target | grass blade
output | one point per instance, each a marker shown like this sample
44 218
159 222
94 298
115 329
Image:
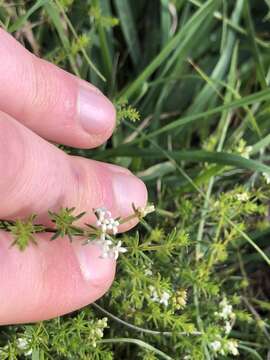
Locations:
199 16
18 24
188 155
247 100
139 343
128 27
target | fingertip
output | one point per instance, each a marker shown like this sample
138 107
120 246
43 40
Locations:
53 103
97 272
128 191
51 278
96 112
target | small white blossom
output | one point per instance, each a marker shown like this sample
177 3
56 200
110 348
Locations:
242 197
148 272
99 332
23 344
106 249
226 309
266 177
246 152
105 221
102 213
165 298
118 249
227 327
115 227
154 294
232 347
215 345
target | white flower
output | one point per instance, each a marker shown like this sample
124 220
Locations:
105 221
226 309
154 294
99 332
266 177
148 272
115 227
232 347
102 213
242 197
215 345
23 344
246 152
165 298
106 249
118 249
228 327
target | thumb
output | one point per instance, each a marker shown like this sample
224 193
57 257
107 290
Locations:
51 279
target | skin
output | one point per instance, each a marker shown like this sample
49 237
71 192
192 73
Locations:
41 104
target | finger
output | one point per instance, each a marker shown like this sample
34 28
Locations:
38 176
50 279
53 103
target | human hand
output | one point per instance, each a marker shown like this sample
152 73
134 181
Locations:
40 101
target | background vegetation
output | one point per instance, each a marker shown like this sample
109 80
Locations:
190 81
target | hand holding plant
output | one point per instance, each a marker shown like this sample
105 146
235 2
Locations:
40 101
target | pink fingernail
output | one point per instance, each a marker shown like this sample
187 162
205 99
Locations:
96 113
93 267
128 190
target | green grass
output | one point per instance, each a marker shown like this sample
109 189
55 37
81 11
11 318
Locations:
198 74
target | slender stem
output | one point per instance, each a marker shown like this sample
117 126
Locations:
139 343
137 328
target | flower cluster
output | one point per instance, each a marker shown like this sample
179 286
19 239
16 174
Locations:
107 224
180 299
243 197
24 346
163 299
266 177
224 347
226 315
98 331
243 149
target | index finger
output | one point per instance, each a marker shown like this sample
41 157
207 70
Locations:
53 103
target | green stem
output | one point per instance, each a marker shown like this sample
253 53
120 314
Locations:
106 56
139 343
143 330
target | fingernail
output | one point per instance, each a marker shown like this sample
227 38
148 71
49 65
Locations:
96 112
128 190
92 266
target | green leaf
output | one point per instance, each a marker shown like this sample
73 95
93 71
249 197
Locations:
194 21
189 156
247 100
128 27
